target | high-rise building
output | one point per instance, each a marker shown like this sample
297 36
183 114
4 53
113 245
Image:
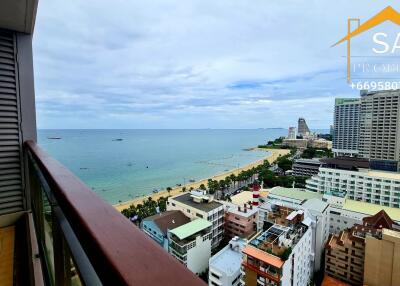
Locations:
292 133
346 126
379 138
302 128
240 220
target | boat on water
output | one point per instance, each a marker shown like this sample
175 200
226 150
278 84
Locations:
155 191
54 138
118 139
192 180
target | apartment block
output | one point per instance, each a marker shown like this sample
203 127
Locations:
316 211
306 167
240 220
292 133
346 126
379 138
357 182
199 204
224 266
191 244
382 259
281 254
346 253
157 226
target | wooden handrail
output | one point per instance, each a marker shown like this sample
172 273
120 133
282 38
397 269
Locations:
119 252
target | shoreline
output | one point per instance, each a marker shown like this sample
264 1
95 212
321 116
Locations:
274 154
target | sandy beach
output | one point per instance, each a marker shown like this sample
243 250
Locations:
274 154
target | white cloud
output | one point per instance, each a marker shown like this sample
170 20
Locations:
150 64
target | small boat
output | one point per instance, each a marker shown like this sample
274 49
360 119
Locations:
178 185
192 180
118 139
54 138
83 168
155 191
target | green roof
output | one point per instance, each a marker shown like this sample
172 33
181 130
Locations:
294 193
371 209
191 228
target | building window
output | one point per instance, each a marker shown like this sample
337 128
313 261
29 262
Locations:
199 215
188 210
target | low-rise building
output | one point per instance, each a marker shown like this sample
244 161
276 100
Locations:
345 255
157 226
224 266
352 177
199 204
240 220
191 244
295 143
320 143
306 167
281 254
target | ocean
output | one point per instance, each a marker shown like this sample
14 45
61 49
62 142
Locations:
122 164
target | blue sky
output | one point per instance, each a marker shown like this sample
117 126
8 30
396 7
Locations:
191 64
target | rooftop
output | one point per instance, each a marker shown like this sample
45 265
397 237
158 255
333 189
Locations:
371 209
294 193
263 256
347 163
383 174
246 196
245 210
279 238
315 204
203 206
228 259
308 161
191 228
168 220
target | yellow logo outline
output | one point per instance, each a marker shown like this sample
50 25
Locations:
387 14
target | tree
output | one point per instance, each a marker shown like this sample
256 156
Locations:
202 187
285 164
169 189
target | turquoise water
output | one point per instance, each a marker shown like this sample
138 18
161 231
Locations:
149 159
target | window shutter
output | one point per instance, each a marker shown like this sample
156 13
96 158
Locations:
11 196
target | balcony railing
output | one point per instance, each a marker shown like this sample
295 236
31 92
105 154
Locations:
85 241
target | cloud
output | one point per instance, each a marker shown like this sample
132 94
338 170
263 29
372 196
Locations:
190 64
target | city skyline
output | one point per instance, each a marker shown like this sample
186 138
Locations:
192 65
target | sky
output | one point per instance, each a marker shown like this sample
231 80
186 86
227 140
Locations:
192 64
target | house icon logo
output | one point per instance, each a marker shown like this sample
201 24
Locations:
387 14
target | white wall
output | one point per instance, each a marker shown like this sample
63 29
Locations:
198 256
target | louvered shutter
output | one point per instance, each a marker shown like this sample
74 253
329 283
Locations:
11 195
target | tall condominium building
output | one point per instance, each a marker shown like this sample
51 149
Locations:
302 128
352 177
346 126
379 138
357 254
292 133
198 204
